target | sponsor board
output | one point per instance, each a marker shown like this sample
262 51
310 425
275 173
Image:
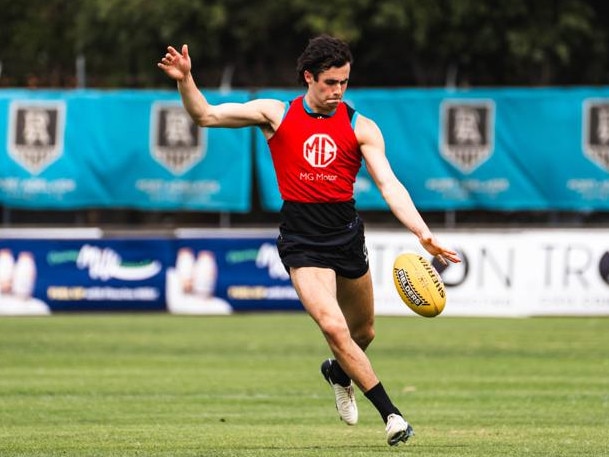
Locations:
506 273
512 273
202 275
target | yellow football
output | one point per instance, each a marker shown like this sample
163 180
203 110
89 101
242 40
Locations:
419 284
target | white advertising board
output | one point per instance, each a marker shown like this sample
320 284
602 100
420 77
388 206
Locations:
506 273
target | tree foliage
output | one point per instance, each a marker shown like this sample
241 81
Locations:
256 43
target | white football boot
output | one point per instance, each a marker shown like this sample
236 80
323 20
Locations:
344 396
397 429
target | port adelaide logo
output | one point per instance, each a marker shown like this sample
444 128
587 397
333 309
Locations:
177 142
36 133
596 132
467 132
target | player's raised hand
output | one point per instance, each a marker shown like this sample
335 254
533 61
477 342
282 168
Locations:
176 65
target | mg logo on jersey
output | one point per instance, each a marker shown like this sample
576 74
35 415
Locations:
36 133
467 133
596 132
177 142
319 150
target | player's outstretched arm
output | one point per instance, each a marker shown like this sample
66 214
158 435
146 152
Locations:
264 113
394 192
177 65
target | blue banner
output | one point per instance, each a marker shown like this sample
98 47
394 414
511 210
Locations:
220 274
501 149
43 276
207 274
124 149
498 149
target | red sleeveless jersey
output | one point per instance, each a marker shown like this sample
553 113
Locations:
316 159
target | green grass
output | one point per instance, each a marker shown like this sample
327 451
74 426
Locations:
249 385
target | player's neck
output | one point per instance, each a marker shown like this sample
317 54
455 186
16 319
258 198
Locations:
313 109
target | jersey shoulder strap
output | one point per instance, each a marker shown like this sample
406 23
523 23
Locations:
350 111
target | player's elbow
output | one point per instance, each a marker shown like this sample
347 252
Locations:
393 191
205 119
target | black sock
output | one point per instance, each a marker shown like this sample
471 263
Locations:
381 401
338 376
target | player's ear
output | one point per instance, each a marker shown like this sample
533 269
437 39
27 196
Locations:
308 76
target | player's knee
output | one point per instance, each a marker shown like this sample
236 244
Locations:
363 337
336 332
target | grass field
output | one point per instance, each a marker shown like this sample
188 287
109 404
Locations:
249 385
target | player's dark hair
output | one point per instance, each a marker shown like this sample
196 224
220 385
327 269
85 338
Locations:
322 53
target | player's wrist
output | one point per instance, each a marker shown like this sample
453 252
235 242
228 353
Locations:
186 77
423 234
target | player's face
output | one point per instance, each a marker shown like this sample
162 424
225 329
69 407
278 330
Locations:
327 91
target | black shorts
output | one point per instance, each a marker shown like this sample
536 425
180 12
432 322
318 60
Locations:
319 236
